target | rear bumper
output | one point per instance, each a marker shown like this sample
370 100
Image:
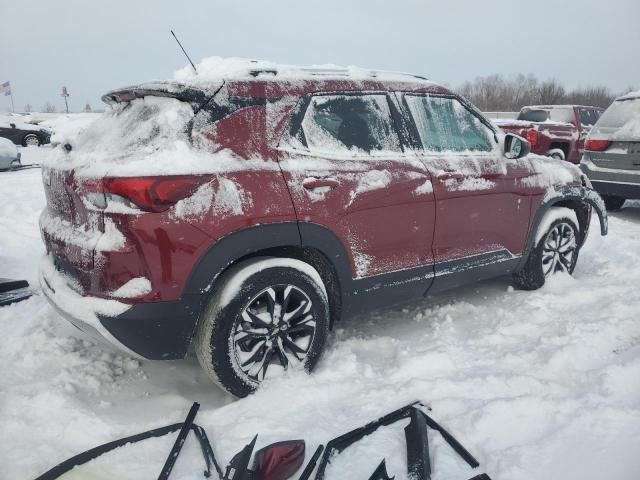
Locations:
611 181
154 330
618 189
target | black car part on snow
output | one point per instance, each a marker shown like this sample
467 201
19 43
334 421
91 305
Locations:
12 291
418 459
184 427
380 473
281 460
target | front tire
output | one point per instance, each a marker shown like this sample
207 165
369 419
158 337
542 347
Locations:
613 203
268 316
557 251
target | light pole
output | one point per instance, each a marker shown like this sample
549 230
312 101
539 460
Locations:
65 94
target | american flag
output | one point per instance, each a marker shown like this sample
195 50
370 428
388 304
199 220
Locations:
6 88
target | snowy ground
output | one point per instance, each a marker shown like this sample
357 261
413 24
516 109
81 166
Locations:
538 385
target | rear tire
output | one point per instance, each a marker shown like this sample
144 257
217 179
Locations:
269 315
556 251
31 140
613 202
556 153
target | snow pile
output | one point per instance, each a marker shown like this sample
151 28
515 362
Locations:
136 287
7 148
227 198
371 180
85 237
66 127
424 189
468 184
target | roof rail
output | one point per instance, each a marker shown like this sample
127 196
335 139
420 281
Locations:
338 72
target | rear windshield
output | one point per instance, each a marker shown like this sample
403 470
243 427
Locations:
142 125
619 114
563 115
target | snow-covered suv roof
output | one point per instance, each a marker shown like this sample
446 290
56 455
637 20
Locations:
213 69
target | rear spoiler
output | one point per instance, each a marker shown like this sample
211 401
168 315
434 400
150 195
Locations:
195 95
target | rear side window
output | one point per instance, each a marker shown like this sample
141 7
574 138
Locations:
350 124
588 116
561 115
444 124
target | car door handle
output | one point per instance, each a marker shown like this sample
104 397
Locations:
313 182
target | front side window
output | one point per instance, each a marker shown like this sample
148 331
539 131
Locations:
444 124
350 124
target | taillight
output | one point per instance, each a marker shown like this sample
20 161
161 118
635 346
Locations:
596 145
153 194
532 136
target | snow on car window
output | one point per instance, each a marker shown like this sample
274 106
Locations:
350 124
446 125
141 124
622 119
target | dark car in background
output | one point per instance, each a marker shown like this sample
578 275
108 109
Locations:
612 154
557 131
24 134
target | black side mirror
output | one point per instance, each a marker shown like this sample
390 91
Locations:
279 461
13 125
515 146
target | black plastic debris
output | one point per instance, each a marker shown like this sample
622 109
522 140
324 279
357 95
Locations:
12 291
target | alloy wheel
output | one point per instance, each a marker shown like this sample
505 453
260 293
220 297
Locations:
32 141
275 330
559 249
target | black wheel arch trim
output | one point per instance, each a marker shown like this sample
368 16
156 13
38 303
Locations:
561 194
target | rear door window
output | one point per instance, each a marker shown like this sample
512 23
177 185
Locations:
352 124
444 124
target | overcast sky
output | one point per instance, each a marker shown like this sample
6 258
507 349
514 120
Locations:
92 46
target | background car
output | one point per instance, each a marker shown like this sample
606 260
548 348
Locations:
24 134
9 155
557 131
612 154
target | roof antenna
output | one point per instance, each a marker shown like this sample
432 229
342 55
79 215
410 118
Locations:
183 51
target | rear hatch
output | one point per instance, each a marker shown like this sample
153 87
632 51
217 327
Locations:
614 141
142 120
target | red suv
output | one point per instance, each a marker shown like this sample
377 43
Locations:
249 213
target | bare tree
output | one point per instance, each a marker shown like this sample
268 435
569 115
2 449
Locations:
49 108
496 94
28 108
551 92
87 108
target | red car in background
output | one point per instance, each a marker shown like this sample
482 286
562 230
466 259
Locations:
557 131
249 213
